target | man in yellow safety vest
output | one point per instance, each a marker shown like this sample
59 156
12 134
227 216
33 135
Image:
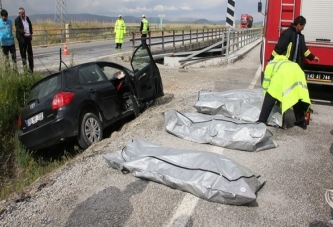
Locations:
119 31
144 29
284 81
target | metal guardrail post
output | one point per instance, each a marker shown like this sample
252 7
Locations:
190 36
174 39
61 36
183 38
163 41
223 39
133 40
47 38
228 46
197 36
203 34
149 38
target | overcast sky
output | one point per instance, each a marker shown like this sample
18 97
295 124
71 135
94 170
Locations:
201 9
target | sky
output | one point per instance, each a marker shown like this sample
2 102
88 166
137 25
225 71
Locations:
201 9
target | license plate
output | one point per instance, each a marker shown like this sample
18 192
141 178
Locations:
34 119
320 77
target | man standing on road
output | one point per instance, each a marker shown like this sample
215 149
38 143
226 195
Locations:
144 29
292 43
7 38
24 36
284 81
119 30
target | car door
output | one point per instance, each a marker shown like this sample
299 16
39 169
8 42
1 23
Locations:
147 78
100 90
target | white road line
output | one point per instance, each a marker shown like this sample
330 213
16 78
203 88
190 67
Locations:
184 211
254 81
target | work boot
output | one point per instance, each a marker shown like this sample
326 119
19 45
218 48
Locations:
117 46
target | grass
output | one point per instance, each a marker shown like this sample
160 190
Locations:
18 166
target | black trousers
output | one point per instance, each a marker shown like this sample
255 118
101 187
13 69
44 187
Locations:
25 48
143 38
269 102
9 49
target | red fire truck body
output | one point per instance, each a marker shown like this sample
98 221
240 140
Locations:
318 32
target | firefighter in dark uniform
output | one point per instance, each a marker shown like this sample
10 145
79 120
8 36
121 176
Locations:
292 43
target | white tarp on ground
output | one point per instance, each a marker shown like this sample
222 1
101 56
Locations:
244 104
207 175
219 130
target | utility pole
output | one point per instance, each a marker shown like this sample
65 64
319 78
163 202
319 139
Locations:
60 11
0 5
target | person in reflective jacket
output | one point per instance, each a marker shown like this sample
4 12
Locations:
284 81
292 43
144 29
119 30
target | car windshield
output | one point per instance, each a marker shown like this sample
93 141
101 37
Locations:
44 88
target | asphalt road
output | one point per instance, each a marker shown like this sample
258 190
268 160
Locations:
48 57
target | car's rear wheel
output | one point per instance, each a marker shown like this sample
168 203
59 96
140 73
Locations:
91 130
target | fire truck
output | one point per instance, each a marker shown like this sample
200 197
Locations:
246 21
279 14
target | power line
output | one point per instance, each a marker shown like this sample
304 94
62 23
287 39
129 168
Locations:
60 11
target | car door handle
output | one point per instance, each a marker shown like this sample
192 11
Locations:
93 91
140 77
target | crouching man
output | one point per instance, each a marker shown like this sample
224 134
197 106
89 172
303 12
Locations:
284 81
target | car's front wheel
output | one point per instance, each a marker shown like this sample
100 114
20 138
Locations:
91 130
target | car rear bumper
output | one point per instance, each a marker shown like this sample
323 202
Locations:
49 134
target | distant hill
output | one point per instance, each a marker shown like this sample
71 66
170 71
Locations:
128 19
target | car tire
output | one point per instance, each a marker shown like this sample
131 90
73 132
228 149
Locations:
90 130
134 105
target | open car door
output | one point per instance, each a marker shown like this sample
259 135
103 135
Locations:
147 78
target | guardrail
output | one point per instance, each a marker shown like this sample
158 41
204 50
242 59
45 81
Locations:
232 39
56 36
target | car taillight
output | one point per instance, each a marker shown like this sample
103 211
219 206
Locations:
61 99
19 123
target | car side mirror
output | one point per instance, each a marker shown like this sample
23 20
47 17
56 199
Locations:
259 7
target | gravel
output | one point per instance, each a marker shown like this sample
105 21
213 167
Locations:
87 192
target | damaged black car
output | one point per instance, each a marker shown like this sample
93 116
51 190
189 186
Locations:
82 100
